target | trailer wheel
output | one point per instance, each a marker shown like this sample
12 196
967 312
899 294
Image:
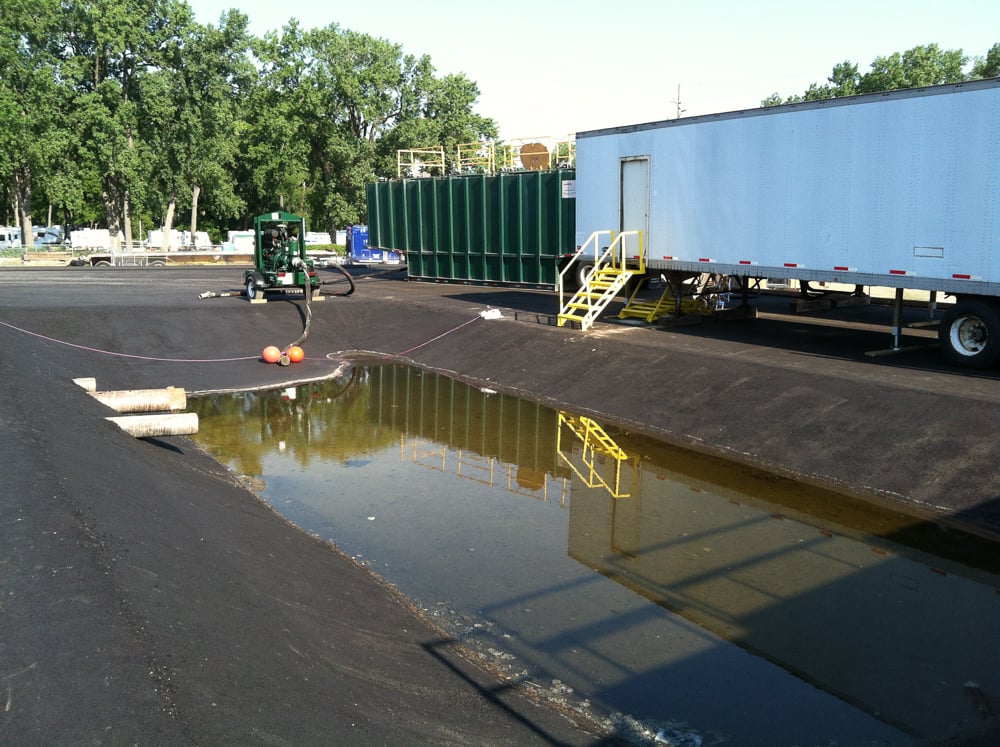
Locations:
970 333
255 286
102 263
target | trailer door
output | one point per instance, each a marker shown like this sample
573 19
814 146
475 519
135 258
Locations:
634 195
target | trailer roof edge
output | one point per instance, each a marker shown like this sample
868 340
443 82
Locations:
866 98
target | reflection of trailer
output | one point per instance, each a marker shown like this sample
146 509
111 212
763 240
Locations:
895 190
908 637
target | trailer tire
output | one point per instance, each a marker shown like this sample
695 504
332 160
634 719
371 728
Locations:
969 333
255 286
102 263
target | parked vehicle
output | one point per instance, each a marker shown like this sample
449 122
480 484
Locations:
48 236
896 190
10 237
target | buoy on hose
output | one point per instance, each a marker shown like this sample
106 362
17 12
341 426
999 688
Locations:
270 354
295 353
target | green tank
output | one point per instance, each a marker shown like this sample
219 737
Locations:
505 229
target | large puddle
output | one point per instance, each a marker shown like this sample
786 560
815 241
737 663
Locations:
679 598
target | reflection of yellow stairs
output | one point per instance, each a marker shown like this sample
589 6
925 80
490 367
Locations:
596 443
599 289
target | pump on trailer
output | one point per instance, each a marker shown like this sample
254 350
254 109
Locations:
279 256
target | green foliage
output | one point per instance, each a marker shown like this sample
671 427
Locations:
124 110
988 66
925 65
334 106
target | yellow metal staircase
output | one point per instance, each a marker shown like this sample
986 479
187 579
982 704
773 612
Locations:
650 310
606 279
600 289
701 294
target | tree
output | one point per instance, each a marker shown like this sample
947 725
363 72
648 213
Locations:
446 119
111 45
274 156
29 97
925 65
190 110
988 66
339 104
122 107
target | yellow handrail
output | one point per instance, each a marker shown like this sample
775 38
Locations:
415 163
475 157
591 244
612 256
639 256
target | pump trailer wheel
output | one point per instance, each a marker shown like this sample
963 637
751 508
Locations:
255 286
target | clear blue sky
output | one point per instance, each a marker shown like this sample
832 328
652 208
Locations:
551 67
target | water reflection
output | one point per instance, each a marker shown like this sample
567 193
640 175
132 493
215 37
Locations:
593 455
711 602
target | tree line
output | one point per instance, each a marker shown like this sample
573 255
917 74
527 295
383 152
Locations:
130 115
924 65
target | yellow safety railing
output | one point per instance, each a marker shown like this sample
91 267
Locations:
607 271
589 250
557 153
475 158
415 163
489 158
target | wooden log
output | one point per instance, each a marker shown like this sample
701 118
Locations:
161 424
170 399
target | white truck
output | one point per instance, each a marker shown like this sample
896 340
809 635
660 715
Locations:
893 190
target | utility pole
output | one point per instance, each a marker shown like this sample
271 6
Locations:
678 102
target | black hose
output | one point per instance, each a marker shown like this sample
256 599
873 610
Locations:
347 275
307 289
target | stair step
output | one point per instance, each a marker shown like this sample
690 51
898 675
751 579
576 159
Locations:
588 302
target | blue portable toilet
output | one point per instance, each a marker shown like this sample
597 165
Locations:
357 242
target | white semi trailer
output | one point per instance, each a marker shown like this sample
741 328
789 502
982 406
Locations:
897 190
